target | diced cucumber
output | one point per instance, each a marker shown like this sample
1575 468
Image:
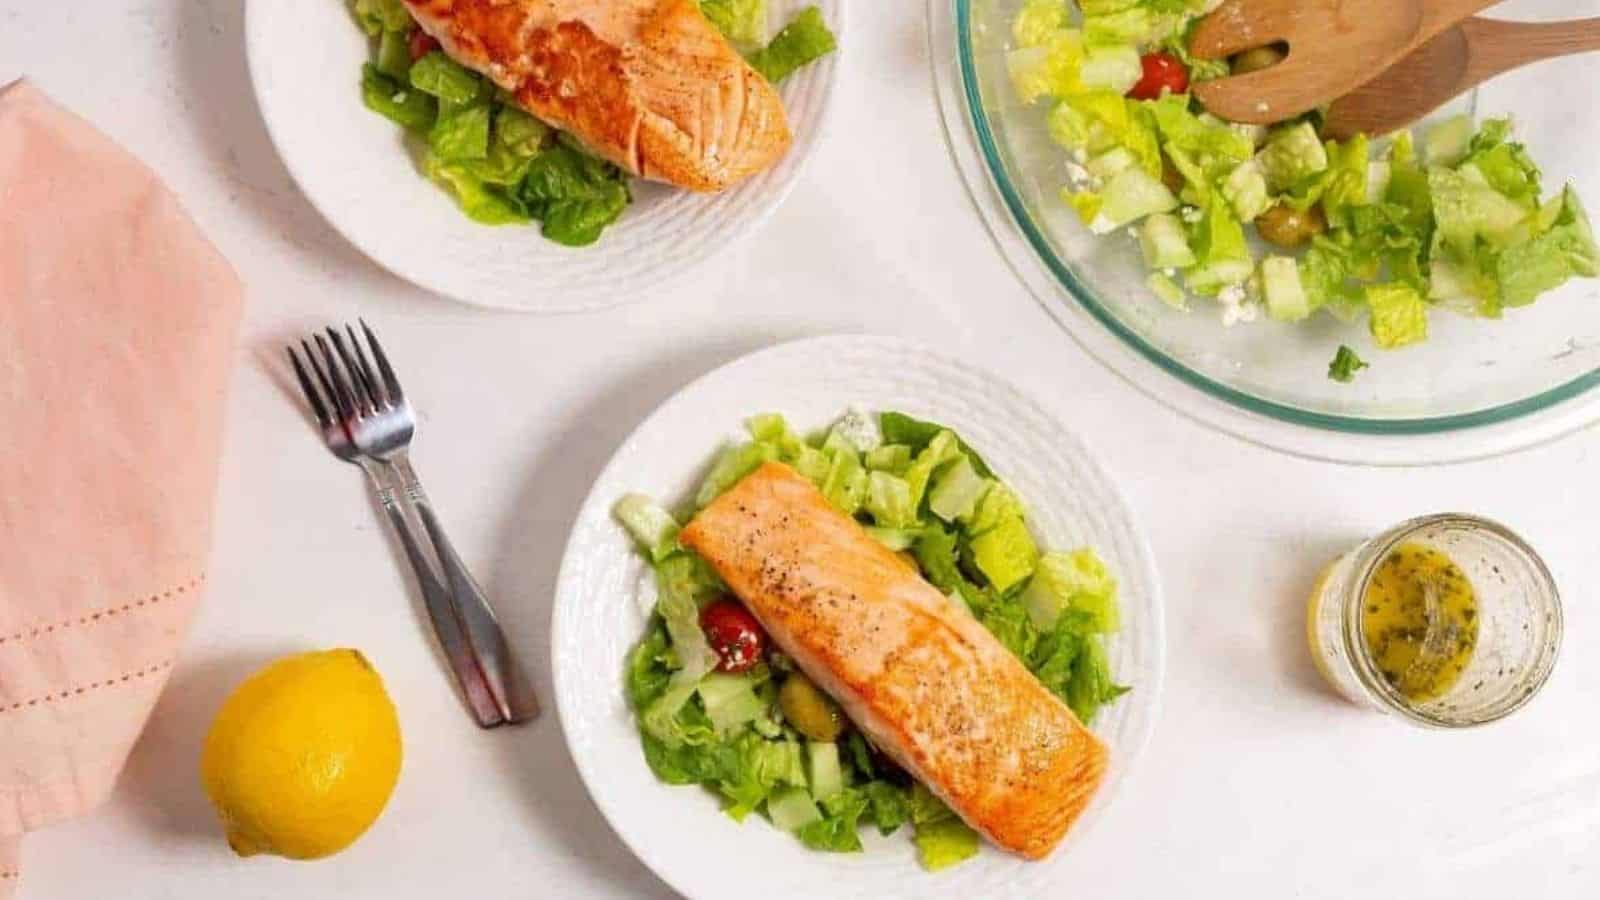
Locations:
730 700
1292 154
1130 196
827 778
1208 281
1245 189
792 809
1165 243
1115 68
957 492
1285 295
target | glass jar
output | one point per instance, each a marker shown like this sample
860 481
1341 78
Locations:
1518 613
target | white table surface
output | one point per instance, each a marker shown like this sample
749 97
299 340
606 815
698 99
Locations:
1257 781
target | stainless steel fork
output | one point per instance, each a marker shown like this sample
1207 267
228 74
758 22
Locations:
326 408
380 423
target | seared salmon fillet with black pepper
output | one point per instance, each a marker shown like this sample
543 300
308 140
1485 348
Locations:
914 670
650 85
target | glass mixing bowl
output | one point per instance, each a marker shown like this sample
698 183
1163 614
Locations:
1476 388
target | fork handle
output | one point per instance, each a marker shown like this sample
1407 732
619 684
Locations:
436 599
505 677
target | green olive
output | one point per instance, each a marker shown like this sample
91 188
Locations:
1257 59
1287 227
809 710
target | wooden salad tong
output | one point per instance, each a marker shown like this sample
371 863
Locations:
1334 47
1460 58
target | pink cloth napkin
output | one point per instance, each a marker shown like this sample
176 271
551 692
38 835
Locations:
117 324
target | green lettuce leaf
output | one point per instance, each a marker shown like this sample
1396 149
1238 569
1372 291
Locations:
742 22
804 40
1345 365
1399 315
405 106
837 830
574 195
378 16
442 77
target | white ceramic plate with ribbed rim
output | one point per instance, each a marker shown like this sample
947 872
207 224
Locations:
354 166
679 831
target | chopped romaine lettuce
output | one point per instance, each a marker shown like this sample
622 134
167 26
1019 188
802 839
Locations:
742 22
574 195
1345 365
1399 315
942 839
405 106
442 77
804 40
378 16
1076 580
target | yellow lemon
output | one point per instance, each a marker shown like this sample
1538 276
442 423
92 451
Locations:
303 755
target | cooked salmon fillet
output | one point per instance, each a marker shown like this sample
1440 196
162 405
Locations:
649 84
916 672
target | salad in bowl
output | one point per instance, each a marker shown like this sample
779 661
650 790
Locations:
1260 223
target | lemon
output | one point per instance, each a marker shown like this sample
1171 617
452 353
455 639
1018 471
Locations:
303 756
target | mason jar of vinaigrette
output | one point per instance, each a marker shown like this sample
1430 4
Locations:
1449 621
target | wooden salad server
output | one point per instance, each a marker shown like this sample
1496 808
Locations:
1458 59
1333 47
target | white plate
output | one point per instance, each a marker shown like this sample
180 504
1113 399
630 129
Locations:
305 63
679 831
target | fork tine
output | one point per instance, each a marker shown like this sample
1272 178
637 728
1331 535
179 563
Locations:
375 388
396 395
361 391
312 397
332 378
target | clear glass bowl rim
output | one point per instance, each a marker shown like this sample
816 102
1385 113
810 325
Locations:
1065 277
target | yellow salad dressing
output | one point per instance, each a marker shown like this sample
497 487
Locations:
1420 621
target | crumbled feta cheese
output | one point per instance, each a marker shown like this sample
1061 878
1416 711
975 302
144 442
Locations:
1080 178
1236 306
1102 225
1191 214
859 429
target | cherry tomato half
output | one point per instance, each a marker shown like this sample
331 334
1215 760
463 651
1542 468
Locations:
734 634
421 44
1162 72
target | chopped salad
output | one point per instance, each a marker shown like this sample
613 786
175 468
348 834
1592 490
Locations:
1384 230
717 706
505 166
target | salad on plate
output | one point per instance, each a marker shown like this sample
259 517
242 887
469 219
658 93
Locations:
505 165
1276 222
779 577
